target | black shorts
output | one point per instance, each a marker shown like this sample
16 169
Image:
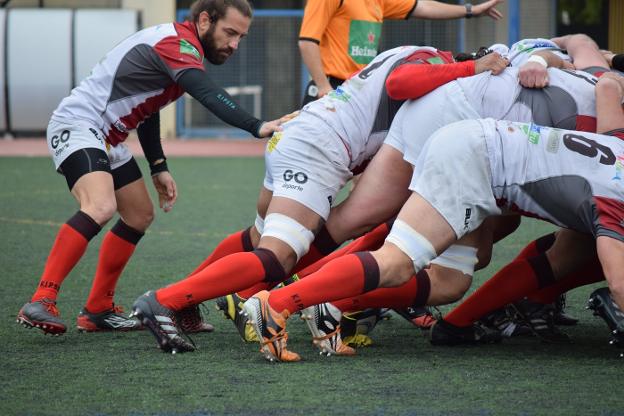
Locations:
90 160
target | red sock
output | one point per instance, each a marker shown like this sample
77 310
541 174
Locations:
413 293
511 283
117 247
590 273
368 242
70 244
249 292
345 277
233 243
536 247
230 274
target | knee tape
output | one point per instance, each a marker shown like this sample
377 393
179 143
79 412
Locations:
289 231
412 243
458 257
259 224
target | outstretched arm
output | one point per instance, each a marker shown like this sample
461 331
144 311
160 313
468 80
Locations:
429 9
201 87
417 77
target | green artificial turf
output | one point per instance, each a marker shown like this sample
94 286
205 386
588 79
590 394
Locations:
125 374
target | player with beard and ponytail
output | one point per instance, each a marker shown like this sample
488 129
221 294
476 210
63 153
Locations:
125 91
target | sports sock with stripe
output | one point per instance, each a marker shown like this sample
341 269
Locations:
70 244
117 248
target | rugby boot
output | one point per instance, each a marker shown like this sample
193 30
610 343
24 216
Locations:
560 316
42 314
539 319
603 305
270 327
504 321
232 308
324 323
355 326
191 320
444 333
161 323
109 320
419 316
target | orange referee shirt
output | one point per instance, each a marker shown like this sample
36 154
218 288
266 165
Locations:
348 31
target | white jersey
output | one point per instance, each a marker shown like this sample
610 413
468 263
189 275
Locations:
568 101
570 178
520 51
359 111
134 80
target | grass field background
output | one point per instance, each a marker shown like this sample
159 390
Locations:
117 373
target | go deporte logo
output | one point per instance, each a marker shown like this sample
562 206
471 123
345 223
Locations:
56 139
298 177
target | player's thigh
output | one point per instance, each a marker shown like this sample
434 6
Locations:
134 204
379 195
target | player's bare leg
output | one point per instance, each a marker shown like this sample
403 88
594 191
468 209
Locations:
94 192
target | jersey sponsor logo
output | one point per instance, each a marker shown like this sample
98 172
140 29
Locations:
340 95
187 48
363 40
554 140
532 132
273 141
59 139
298 177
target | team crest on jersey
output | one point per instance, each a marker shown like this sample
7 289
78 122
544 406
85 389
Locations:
272 143
187 48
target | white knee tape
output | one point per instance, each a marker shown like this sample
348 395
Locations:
412 243
259 224
458 257
289 231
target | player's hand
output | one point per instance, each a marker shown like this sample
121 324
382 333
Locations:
324 90
487 8
167 190
567 65
533 75
491 62
269 127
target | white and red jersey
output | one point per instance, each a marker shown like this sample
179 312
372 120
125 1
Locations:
520 51
134 80
568 101
360 111
570 178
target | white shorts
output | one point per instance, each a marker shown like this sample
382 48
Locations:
307 162
453 174
66 138
417 120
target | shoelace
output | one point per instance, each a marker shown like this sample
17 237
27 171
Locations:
50 306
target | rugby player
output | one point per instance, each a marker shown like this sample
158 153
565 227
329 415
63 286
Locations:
562 176
306 165
126 90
